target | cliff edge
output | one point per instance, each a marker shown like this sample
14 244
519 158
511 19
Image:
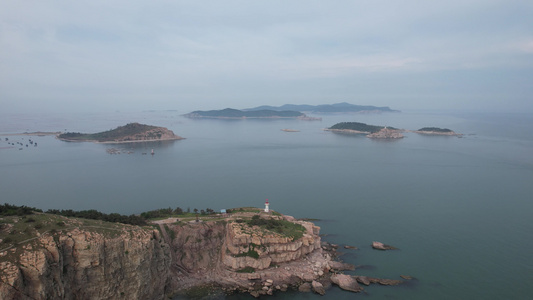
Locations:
252 252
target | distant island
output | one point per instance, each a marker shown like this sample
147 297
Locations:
326 108
437 131
371 131
133 132
386 132
230 113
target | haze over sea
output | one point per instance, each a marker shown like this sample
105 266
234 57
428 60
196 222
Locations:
459 209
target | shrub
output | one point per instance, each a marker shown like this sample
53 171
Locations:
246 270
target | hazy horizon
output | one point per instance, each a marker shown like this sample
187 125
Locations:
187 55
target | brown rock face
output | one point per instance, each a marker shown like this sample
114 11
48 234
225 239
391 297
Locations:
137 263
318 288
381 246
346 282
259 249
87 265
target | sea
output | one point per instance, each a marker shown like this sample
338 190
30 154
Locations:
459 209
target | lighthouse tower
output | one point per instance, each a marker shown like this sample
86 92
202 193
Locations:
266 206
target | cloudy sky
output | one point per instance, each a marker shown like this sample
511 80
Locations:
187 55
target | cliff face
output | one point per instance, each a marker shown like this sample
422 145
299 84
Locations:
255 248
136 263
87 265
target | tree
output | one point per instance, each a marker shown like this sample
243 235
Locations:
178 211
195 210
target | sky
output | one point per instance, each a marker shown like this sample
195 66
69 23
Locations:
189 55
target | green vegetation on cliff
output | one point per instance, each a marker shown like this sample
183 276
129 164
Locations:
7 209
93 214
283 227
435 129
110 135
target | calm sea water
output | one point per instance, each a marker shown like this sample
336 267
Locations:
459 209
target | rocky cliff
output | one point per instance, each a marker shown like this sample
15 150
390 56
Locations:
87 264
130 262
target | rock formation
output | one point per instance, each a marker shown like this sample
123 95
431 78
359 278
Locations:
381 246
386 133
132 262
87 265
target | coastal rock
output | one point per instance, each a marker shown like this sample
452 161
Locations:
363 280
368 280
340 266
318 288
346 282
381 246
350 247
389 282
305 287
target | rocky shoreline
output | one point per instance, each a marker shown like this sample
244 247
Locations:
227 255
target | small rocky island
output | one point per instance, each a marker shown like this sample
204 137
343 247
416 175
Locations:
230 113
133 132
370 131
90 255
437 131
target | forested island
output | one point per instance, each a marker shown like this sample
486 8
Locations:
371 131
327 108
437 131
132 132
231 113
356 126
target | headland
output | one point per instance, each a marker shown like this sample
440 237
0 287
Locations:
244 250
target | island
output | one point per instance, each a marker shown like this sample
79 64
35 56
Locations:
437 131
66 254
132 132
230 113
370 131
343 107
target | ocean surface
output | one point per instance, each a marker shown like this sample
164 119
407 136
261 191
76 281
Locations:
459 209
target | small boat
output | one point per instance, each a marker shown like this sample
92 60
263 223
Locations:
152 151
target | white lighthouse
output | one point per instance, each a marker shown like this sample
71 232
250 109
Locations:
266 206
